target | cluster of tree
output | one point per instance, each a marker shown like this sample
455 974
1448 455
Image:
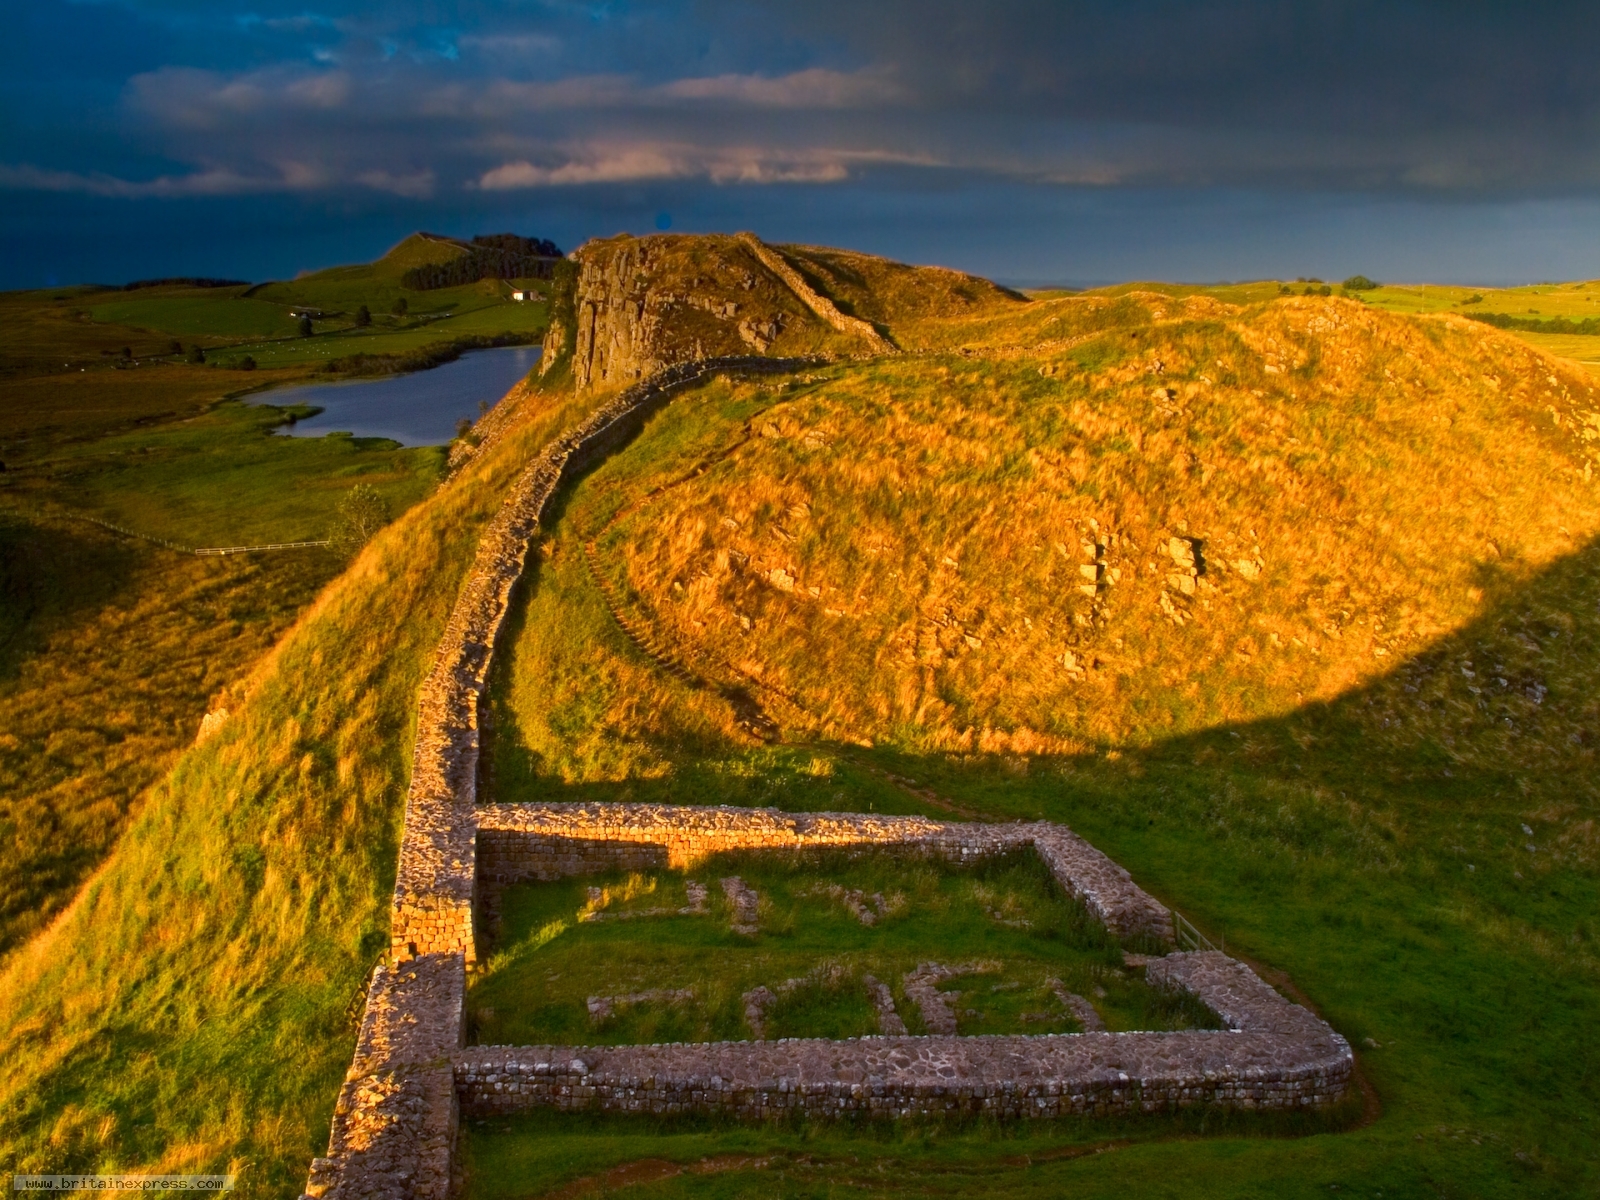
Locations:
1589 325
199 281
361 513
490 256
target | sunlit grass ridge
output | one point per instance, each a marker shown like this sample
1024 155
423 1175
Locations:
188 1012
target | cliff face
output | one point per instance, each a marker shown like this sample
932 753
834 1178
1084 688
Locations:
640 305
643 304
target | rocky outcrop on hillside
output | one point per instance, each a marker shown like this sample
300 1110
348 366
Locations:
641 305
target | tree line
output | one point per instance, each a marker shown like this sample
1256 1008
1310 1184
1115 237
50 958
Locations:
489 256
1589 325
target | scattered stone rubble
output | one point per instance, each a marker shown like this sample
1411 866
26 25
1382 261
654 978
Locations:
745 901
697 907
889 1021
856 900
603 1008
937 1008
1082 1011
756 1002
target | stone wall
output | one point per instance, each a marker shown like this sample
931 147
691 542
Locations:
435 885
397 1105
395 1121
1274 1056
549 841
814 300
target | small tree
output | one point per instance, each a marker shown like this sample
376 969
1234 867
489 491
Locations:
361 513
305 326
196 354
363 317
247 363
400 307
176 347
1360 283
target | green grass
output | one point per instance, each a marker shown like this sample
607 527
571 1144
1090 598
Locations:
207 312
1333 864
558 948
188 1011
224 478
1328 840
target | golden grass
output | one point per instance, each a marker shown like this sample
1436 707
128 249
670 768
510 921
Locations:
976 551
123 647
187 1011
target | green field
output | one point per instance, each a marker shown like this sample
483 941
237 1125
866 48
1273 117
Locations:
1006 921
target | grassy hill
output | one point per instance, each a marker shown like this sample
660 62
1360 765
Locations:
1290 604
189 1008
111 649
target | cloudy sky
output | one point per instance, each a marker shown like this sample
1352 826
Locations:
1033 142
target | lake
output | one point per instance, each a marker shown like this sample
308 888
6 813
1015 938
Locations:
420 409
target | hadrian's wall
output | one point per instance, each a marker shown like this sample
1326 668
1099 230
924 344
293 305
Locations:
434 886
396 1119
391 1129
549 841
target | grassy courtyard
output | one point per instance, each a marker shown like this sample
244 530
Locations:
827 923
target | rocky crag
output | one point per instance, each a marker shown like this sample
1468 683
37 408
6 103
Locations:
640 305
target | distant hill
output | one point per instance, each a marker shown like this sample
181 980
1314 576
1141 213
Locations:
436 262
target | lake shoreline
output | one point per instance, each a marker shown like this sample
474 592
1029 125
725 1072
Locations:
414 408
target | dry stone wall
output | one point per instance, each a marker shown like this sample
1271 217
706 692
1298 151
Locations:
814 300
1274 1056
550 841
435 885
395 1121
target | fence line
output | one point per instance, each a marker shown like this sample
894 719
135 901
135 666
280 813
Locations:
1187 936
268 546
201 551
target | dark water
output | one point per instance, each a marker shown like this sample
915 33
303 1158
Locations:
415 410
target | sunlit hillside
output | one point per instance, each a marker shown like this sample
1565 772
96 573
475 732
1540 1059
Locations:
1091 523
1291 605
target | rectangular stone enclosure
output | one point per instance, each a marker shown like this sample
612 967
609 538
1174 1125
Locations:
412 1075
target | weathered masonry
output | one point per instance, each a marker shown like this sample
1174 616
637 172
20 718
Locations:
397 1115
1275 1055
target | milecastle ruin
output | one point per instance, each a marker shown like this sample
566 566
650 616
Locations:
398 1112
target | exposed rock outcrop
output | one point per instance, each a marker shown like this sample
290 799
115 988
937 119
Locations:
643 304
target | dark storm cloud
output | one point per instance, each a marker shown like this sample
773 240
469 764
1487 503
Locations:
407 114
412 99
